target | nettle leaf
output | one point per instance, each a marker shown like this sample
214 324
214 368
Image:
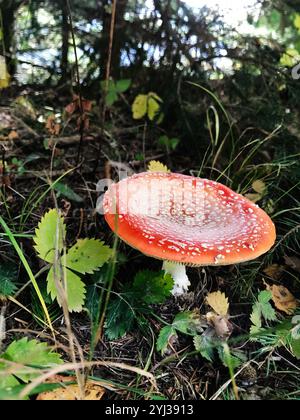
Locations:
88 255
153 287
166 336
74 288
49 235
120 317
8 278
30 353
188 323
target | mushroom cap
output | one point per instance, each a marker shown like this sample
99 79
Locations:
188 220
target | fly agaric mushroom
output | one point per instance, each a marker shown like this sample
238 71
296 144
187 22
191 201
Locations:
186 221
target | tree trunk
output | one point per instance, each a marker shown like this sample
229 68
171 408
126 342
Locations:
65 34
8 10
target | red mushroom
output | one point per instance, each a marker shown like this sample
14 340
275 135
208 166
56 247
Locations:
186 221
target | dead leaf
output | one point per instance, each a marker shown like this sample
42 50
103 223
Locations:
13 135
253 197
259 186
274 271
293 262
218 302
93 391
283 299
52 126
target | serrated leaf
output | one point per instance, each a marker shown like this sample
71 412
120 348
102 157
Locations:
188 322
30 353
8 277
218 302
231 358
153 287
205 345
264 297
140 106
123 85
74 288
255 317
88 255
119 319
156 166
67 192
166 336
49 235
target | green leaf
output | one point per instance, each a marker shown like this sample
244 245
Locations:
49 235
111 98
290 58
123 85
188 323
205 345
30 353
67 192
140 106
8 277
153 287
295 345
119 319
75 290
256 316
233 359
264 297
88 255
166 334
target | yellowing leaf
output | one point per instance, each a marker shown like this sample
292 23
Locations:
153 105
254 197
259 186
297 22
218 302
290 58
140 106
283 299
147 105
71 392
156 166
4 75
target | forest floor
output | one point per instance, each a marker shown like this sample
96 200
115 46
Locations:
43 166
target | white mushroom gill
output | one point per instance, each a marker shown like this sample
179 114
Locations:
178 273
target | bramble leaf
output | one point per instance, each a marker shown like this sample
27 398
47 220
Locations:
140 106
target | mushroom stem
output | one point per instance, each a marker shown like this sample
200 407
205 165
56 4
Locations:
181 280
